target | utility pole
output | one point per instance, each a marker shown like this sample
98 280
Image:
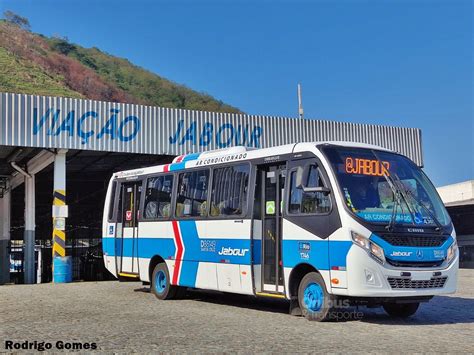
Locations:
300 103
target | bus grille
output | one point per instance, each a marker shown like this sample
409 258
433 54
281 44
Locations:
398 263
414 240
406 283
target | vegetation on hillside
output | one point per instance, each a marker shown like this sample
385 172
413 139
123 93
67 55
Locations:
17 75
35 64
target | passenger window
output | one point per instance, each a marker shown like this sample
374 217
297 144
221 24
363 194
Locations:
229 190
191 200
112 201
308 202
158 197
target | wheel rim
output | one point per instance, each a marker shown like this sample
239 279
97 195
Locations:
160 281
313 297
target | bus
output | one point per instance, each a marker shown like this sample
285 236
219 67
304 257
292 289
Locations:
320 224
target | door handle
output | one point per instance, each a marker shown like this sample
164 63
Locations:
239 221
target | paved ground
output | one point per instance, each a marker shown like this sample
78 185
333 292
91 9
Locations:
123 317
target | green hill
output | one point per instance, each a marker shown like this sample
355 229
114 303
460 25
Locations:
34 64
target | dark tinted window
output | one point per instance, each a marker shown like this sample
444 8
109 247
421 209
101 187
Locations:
112 201
308 202
158 197
229 190
191 199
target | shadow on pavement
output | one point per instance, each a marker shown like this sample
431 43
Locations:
241 301
440 310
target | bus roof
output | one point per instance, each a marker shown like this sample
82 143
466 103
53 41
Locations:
217 156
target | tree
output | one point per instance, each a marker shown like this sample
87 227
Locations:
17 20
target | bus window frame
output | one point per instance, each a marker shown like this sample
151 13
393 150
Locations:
120 182
113 202
209 181
245 208
312 160
143 196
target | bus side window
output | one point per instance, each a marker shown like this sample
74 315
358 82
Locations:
158 197
191 200
308 202
112 201
120 203
229 190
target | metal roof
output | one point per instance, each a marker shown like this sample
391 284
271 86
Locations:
58 122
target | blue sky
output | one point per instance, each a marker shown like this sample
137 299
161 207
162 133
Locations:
403 63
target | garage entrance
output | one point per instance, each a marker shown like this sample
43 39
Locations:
87 176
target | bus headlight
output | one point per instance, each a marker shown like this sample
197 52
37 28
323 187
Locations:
369 246
452 251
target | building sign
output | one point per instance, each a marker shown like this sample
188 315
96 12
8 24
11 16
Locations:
222 136
67 123
125 129
70 124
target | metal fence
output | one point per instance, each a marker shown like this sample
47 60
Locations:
87 261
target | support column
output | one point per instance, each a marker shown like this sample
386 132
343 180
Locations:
59 221
5 213
29 270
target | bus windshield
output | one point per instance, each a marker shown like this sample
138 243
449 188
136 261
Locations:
386 188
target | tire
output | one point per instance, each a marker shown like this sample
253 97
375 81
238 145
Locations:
401 310
160 283
315 302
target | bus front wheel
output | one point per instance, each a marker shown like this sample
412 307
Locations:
160 283
315 302
401 310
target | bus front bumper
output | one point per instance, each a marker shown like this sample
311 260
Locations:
368 278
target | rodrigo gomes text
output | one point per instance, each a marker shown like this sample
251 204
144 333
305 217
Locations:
45 346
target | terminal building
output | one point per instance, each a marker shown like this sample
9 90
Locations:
57 155
459 201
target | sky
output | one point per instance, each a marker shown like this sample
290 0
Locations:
401 63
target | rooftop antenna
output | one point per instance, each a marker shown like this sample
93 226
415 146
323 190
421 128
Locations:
300 104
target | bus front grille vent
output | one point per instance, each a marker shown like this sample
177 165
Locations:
414 240
407 283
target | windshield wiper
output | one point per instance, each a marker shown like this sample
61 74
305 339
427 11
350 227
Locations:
403 192
396 194
439 226
396 202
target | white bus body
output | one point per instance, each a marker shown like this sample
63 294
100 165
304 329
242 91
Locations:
309 222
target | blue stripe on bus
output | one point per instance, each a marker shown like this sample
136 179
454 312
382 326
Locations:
192 156
192 245
165 247
319 253
177 166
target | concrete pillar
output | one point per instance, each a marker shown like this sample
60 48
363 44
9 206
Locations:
5 210
60 213
29 270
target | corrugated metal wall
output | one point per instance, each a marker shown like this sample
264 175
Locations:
57 122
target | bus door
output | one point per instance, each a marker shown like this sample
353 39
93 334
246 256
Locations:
270 183
128 253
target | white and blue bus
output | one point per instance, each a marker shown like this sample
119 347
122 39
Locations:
314 223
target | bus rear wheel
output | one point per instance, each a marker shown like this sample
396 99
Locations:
315 302
160 283
401 310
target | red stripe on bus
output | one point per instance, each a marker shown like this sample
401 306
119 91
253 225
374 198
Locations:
166 168
179 252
